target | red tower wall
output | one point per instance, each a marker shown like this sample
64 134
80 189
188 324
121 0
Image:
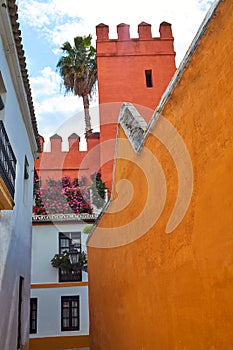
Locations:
121 64
121 67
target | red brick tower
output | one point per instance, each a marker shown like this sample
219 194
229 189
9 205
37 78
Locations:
135 70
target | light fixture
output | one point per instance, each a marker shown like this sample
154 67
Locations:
74 255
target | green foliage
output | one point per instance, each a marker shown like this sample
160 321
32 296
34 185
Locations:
61 261
87 229
78 69
98 188
82 261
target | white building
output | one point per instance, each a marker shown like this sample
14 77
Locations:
59 317
19 143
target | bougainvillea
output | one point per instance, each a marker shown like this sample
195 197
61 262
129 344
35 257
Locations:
61 197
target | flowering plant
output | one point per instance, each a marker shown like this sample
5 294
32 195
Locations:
61 197
61 261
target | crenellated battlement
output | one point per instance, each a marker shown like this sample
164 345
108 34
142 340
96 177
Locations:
56 140
74 162
145 44
144 32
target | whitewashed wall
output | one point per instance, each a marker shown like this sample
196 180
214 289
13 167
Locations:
15 225
45 244
49 310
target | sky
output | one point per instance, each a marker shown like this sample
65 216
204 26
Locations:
47 24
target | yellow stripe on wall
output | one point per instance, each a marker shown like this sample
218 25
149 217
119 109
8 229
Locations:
58 285
59 343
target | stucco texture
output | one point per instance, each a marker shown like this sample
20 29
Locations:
173 291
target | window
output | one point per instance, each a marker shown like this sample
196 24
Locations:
20 300
2 97
26 169
148 75
1 103
25 185
66 239
7 158
7 171
70 319
64 243
33 315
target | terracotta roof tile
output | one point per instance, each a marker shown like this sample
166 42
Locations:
12 10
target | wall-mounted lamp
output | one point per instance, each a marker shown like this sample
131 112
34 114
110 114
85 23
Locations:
74 255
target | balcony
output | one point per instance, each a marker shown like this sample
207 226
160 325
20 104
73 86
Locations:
70 275
7 171
71 261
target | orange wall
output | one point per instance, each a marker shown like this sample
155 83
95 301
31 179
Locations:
175 291
59 343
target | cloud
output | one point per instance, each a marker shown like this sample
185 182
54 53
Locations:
47 16
204 5
35 13
59 112
53 111
64 105
46 84
66 32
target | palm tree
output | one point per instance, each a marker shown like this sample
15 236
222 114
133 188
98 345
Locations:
78 69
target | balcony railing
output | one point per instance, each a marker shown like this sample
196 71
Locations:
7 161
64 217
68 275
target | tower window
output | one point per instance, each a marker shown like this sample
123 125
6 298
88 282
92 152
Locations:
148 75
